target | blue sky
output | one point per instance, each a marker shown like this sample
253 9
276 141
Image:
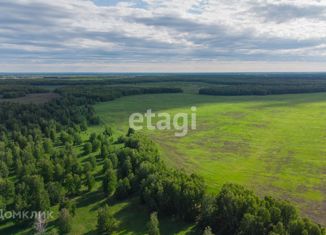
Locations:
105 2
137 3
162 36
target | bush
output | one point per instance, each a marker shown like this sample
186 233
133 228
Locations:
153 225
64 221
106 223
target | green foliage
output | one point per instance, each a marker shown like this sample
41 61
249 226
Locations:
107 164
14 91
262 89
107 93
31 194
58 172
153 225
96 145
7 189
66 138
2 203
4 171
208 231
108 131
73 184
123 189
161 189
114 160
237 210
130 131
46 169
109 182
87 148
48 146
92 161
69 205
77 140
56 192
106 223
87 167
104 151
64 221
90 181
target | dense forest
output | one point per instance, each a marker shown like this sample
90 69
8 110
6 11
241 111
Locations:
40 167
14 91
235 90
107 93
108 87
210 78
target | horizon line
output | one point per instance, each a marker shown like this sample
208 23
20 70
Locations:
158 72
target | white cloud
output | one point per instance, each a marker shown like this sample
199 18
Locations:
81 32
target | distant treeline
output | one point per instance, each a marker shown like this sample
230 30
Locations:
238 90
15 91
217 84
107 93
233 83
219 78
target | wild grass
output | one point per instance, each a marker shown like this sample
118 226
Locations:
274 145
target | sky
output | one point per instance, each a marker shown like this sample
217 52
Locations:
162 36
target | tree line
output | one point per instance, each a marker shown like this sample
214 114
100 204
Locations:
253 89
210 78
19 90
108 93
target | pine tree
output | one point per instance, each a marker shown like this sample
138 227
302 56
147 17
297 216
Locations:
90 181
110 182
153 225
4 171
64 221
208 231
106 223
87 148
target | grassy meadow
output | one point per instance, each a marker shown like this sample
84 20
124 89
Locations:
274 145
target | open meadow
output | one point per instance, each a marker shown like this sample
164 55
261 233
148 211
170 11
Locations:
274 145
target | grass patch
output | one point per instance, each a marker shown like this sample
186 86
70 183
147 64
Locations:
274 145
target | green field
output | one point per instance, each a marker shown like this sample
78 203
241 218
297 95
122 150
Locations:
274 145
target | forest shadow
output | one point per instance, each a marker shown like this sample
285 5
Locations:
134 218
90 198
92 232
